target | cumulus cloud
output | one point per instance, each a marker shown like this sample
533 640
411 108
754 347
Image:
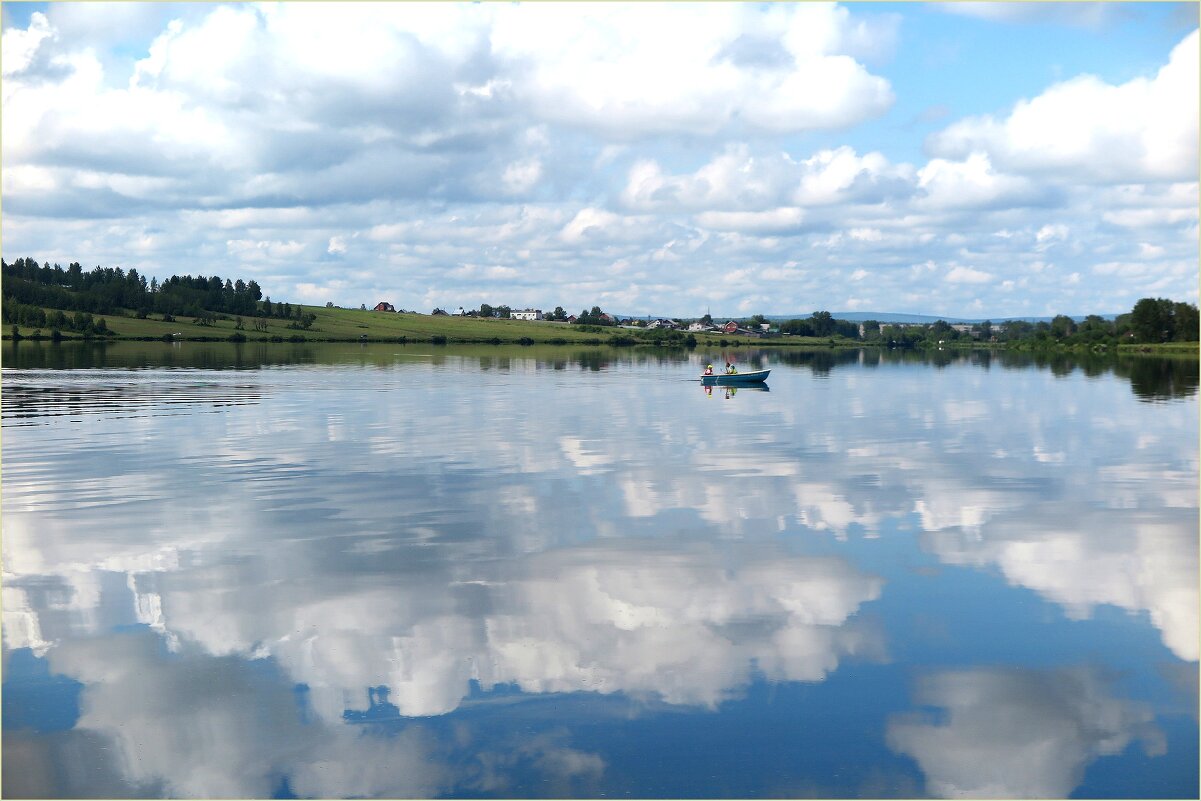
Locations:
1142 130
660 83
739 180
973 183
966 275
557 142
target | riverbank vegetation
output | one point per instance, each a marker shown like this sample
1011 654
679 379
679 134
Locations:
50 302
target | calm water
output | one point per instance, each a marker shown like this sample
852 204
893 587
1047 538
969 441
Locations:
415 571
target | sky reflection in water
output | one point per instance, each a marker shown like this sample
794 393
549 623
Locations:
398 571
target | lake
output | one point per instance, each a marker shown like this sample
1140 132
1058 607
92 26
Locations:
412 570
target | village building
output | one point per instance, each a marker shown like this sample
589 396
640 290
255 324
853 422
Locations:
731 327
384 306
527 314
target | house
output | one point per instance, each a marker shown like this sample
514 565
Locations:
527 314
383 306
732 327
461 312
700 327
670 325
571 318
608 319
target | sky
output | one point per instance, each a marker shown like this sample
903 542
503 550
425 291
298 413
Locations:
959 159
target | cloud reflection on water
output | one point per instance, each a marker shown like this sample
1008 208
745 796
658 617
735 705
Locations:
425 536
1012 733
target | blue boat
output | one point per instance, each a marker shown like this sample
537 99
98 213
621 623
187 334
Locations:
735 379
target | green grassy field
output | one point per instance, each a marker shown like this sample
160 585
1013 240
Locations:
352 325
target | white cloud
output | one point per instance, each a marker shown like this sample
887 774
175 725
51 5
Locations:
261 250
1142 130
20 46
972 183
774 221
739 180
967 275
621 70
1051 233
589 222
281 128
521 176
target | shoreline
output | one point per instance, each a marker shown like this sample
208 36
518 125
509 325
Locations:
622 341
348 326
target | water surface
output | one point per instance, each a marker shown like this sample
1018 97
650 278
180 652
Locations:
331 571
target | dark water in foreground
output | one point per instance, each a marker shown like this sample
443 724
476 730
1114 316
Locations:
413 571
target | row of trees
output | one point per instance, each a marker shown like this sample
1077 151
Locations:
30 288
819 324
105 290
505 312
18 314
1151 321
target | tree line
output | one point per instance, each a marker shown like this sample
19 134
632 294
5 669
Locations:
1151 321
30 288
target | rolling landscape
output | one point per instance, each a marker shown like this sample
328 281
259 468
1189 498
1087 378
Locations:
367 433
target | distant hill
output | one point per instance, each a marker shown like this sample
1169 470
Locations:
890 317
895 317
882 317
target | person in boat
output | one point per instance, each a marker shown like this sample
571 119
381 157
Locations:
730 368
709 370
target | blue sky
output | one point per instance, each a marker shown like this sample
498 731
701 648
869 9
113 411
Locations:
967 159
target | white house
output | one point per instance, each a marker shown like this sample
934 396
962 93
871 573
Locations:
527 314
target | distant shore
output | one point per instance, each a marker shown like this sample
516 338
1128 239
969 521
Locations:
334 325
354 325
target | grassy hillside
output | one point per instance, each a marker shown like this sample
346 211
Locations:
351 325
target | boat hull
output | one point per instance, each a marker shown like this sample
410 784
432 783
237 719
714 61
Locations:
735 379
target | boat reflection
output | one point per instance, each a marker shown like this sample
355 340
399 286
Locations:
730 392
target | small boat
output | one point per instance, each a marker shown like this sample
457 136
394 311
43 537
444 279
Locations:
727 379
